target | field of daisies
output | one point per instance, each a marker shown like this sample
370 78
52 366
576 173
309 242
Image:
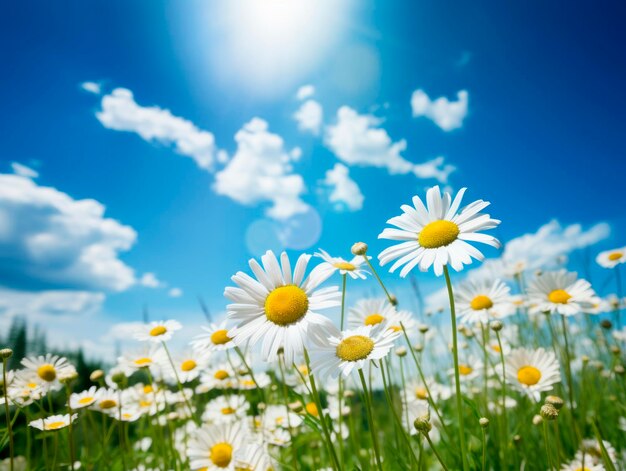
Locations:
519 374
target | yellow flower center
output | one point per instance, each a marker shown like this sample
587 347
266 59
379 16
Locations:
465 370
248 383
395 328
220 337
374 319
286 305
54 425
145 403
496 348
245 468
583 469
438 234
221 374
228 410
85 400
107 404
528 375
481 302
354 348
32 385
158 330
147 389
345 266
421 393
615 256
311 408
47 372
188 365
559 296
143 361
221 454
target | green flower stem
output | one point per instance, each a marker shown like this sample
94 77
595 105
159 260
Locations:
382 285
504 411
457 380
370 419
8 414
318 404
281 363
432 447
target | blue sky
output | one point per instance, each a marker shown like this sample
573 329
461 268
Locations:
540 136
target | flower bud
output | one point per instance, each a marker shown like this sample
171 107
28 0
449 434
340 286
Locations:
6 353
423 328
615 350
484 422
555 401
606 324
537 419
118 378
393 300
619 370
401 352
549 412
496 326
422 425
418 347
360 248
96 375
68 378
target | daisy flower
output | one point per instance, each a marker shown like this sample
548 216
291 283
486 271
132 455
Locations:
344 352
468 370
220 376
351 268
577 465
26 387
611 258
279 416
483 301
532 371
593 453
246 381
212 447
370 312
48 369
83 399
438 234
54 422
560 292
158 331
254 457
225 409
149 357
279 307
216 338
107 401
188 366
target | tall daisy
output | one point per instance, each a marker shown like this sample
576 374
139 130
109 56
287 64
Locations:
351 268
53 422
215 338
532 371
483 301
84 398
225 409
372 312
560 292
279 307
437 234
158 331
48 369
254 457
611 258
350 350
213 447
188 366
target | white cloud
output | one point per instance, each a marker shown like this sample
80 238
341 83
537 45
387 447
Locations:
261 171
50 241
345 193
446 114
91 87
305 91
547 248
23 170
309 117
150 280
48 303
120 112
358 140
175 293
